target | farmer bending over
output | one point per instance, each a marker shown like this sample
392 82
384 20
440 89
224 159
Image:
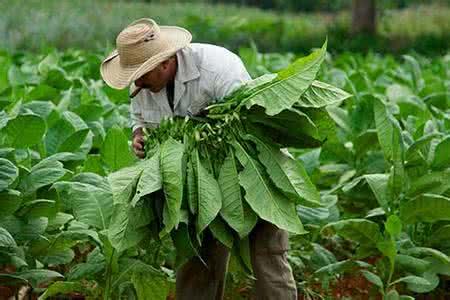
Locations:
169 76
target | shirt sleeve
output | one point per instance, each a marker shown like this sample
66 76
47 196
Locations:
230 79
136 116
137 121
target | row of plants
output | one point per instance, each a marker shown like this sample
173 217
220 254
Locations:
71 189
424 28
388 167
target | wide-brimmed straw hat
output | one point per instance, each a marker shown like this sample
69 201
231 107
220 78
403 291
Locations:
141 46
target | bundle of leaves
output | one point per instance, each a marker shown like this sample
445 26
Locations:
223 172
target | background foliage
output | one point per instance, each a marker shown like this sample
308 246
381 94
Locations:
36 25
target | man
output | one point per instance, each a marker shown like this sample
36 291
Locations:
169 76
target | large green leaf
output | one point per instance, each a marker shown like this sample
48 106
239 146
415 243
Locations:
388 248
150 179
426 208
393 225
172 172
320 256
150 285
44 109
417 79
321 94
93 163
289 85
64 221
24 230
411 264
58 79
428 282
95 263
392 295
340 267
222 232
128 225
397 178
6 240
26 130
291 127
441 154
45 172
91 204
362 231
191 182
305 128
38 276
411 280
373 278
123 182
184 244
341 117
288 174
115 150
263 197
234 211
429 252
379 185
384 127
440 237
63 131
126 267
38 208
57 257
43 92
316 216
430 183
10 201
8 173
4 118
62 287
209 196
415 148
74 141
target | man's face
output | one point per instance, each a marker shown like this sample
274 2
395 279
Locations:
158 78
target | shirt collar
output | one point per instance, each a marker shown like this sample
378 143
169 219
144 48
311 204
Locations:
187 69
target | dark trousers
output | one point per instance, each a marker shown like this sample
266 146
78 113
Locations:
274 278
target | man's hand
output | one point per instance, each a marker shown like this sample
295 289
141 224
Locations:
138 143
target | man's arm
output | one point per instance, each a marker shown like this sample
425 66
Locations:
137 123
138 142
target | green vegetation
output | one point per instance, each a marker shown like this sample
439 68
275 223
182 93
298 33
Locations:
37 25
378 159
387 168
368 175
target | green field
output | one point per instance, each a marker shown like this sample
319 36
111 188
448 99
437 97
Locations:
379 159
384 171
39 25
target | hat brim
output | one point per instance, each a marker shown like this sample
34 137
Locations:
119 77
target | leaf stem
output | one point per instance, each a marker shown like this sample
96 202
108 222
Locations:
107 293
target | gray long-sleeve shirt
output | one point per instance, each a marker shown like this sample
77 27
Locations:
205 73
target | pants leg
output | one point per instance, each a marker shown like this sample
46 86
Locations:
195 281
274 277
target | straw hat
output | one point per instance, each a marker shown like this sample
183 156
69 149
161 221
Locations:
141 46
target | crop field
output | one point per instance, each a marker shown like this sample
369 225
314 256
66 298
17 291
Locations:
353 161
383 226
